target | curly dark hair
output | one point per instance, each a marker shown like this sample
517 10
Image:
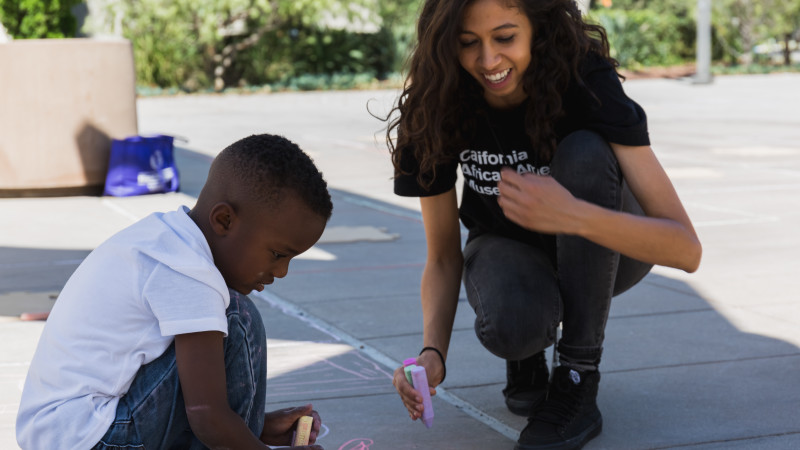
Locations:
438 102
265 166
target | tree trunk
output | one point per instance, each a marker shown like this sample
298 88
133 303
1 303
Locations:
787 53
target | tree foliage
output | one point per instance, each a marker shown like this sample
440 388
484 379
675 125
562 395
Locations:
220 43
197 44
657 33
37 19
648 33
648 36
741 25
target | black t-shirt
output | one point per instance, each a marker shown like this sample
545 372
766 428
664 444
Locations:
500 141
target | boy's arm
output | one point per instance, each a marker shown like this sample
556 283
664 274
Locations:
201 369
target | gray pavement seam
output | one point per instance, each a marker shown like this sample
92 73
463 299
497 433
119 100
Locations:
722 441
376 355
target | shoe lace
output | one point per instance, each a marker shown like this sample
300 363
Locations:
563 403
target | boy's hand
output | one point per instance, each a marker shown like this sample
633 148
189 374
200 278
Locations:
280 425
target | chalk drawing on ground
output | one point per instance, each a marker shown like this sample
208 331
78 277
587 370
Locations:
314 370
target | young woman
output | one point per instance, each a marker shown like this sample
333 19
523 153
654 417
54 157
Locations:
565 202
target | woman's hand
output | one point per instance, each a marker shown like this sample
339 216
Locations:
411 398
663 236
537 202
279 426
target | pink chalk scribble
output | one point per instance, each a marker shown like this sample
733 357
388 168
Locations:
357 444
316 374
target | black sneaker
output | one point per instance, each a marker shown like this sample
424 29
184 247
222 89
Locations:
526 384
569 418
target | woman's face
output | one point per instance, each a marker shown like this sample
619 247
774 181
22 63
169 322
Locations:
495 48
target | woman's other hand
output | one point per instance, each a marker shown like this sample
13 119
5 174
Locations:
538 203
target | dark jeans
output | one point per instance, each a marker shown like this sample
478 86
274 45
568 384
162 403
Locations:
520 296
152 414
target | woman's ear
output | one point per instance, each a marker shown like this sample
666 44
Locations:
221 217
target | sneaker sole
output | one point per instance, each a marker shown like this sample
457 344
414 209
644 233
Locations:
575 443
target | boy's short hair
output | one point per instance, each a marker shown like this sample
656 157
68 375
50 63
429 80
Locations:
264 167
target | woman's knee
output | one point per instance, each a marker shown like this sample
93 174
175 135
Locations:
517 324
585 164
513 289
515 343
583 155
583 148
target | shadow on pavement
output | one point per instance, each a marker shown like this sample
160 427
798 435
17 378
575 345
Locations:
676 371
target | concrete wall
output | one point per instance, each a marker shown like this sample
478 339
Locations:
63 102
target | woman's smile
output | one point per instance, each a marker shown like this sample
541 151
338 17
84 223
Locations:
498 77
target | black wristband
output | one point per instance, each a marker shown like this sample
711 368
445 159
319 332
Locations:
444 367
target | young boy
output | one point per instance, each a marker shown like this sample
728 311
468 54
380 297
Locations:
153 343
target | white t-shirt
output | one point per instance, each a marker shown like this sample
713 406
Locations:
120 310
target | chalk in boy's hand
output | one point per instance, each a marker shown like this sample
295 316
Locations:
303 431
285 427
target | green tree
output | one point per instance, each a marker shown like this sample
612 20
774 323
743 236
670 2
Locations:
741 25
37 19
643 33
400 16
197 43
782 23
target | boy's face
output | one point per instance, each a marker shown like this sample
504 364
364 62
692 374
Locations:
257 244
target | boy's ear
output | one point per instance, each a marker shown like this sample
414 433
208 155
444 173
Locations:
221 218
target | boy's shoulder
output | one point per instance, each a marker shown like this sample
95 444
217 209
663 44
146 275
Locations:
163 235
170 239
158 256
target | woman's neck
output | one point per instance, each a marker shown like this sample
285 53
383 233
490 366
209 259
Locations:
505 103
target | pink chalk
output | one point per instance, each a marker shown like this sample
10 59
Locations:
420 378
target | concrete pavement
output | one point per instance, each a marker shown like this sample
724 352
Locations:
704 361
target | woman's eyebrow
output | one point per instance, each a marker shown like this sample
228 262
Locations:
504 26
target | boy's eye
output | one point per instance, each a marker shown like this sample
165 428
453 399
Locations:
278 255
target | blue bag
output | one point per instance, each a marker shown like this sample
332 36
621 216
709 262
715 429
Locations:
141 165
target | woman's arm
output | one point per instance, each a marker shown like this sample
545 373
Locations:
441 278
665 236
441 282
